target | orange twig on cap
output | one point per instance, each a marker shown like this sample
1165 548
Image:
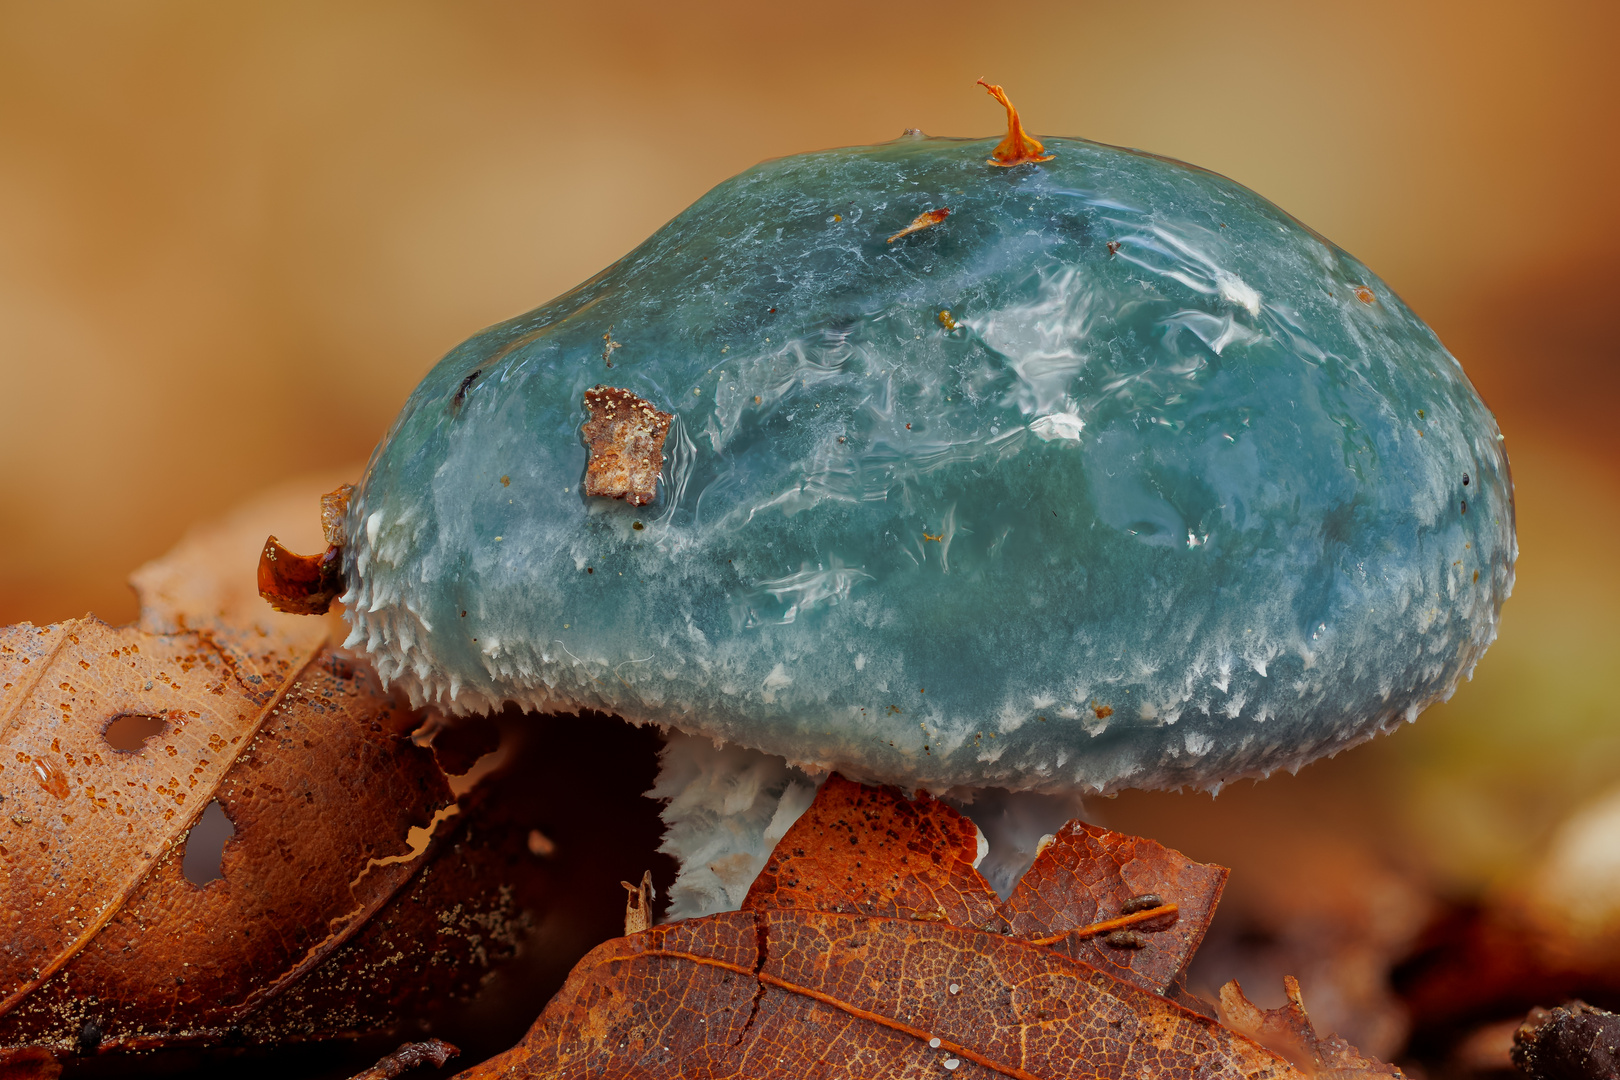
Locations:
1018 147
921 222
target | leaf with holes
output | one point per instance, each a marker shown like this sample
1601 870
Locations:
871 944
214 823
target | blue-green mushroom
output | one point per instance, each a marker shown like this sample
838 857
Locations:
1054 470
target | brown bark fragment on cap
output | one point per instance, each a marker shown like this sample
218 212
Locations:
300 584
625 435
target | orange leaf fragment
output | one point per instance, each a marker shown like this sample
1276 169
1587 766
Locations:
1019 146
308 584
920 222
638 905
300 584
1288 1032
872 850
1087 873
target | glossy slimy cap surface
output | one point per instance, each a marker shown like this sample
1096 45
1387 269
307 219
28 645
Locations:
1113 476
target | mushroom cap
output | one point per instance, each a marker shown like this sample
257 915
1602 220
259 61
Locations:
1174 492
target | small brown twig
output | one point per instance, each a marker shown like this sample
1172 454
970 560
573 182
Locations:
1108 924
433 1052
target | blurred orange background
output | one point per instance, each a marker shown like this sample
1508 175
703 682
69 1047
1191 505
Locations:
234 236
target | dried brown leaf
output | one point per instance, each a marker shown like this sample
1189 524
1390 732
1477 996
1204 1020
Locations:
326 798
873 851
870 943
1288 1031
788 993
1088 873
336 814
83 823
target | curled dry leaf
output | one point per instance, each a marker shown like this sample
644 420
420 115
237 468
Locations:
84 823
1288 1031
307 584
300 584
335 811
869 941
333 808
